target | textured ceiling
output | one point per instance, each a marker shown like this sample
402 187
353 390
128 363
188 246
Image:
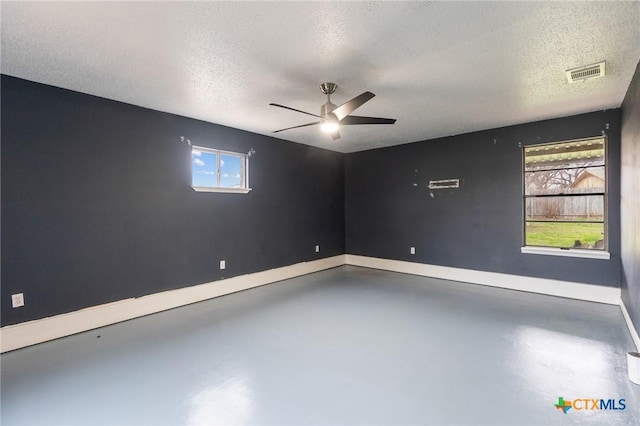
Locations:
440 68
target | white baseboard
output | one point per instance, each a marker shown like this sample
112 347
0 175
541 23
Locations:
632 329
32 332
572 290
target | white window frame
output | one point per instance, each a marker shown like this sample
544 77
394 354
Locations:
244 189
568 251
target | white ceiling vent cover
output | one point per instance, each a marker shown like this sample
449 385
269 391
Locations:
586 72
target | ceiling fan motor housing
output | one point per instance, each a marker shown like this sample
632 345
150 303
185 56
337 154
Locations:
326 109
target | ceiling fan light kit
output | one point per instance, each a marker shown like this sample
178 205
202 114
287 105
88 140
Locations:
329 126
332 116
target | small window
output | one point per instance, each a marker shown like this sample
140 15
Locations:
565 195
213 170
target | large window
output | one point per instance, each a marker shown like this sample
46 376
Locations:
213 170
565 195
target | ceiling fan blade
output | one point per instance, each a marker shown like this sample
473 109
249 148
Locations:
295 127
348 107
335 134
355 119
296 110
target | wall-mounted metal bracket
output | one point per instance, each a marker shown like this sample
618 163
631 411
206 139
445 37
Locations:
444 184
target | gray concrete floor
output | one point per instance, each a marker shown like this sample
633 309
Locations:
343 346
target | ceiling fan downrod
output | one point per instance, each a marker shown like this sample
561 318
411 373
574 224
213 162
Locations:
327 89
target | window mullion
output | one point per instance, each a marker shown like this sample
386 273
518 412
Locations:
564 194
218 170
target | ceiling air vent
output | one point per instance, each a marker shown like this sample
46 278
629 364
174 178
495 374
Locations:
586 72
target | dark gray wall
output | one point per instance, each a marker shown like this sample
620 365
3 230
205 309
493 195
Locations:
478 226
630 199
96 203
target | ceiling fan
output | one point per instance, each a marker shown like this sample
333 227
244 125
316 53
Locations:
332 117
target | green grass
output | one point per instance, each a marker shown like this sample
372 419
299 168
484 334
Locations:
563 234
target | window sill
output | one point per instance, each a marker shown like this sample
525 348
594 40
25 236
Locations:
552 251
225 190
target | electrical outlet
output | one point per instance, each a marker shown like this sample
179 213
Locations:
412 250
223 264
317 249
17 300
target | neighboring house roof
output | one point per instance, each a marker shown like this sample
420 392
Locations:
597 174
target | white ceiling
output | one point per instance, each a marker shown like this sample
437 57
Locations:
440 68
